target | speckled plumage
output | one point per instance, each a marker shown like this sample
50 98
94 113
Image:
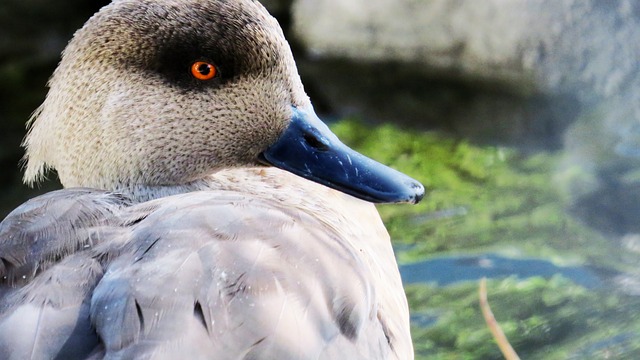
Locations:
189 250
125 73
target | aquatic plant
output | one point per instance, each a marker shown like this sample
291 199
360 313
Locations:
479 198
484 198
542 318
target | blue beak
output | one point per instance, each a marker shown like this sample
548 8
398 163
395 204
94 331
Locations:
309 149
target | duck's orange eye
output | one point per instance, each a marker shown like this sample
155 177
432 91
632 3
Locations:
202 70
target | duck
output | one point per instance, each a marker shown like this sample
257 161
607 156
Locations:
206 211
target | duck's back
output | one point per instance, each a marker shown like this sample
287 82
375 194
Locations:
211 274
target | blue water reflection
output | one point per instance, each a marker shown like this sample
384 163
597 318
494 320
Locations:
448 270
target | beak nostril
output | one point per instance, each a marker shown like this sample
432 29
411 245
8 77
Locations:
315 142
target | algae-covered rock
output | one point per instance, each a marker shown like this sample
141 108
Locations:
480 198
542 318
487 198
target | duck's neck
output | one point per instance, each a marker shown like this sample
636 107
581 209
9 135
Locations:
266 183
143 193
263 182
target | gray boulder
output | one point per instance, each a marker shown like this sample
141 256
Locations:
538 74
533 45
541 59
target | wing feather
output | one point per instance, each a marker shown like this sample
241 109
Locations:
201 275
45 229
47 274
202 267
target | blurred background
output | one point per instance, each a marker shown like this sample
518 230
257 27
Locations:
520 116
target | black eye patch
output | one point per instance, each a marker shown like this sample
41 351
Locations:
174 59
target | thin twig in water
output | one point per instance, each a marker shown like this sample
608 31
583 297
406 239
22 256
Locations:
494 327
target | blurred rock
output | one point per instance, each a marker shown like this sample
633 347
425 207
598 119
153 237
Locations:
532 64
537 74
480 38
533 45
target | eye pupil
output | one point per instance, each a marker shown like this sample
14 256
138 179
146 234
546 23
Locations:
202 70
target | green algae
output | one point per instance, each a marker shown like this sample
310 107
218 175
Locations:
543 319
479 199
496 199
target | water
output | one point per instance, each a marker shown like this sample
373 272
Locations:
449 270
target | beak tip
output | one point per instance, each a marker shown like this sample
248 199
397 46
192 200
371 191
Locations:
419 192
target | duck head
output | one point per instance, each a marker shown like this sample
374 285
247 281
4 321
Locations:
165 92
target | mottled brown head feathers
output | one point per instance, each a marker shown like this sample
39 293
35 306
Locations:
123 110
